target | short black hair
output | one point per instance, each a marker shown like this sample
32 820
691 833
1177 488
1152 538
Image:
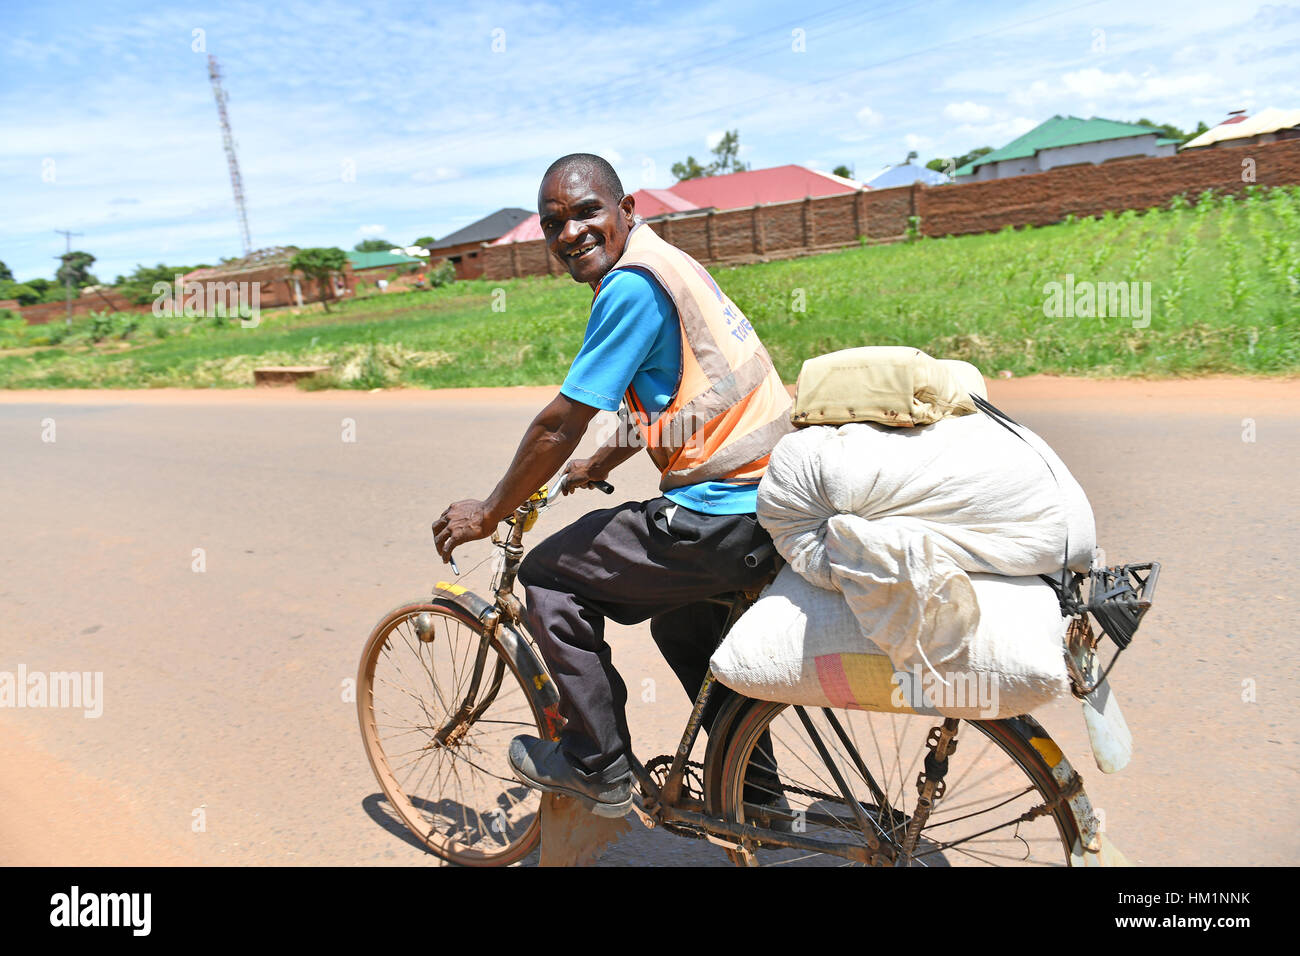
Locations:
600 170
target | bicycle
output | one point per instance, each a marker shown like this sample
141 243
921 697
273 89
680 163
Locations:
444 683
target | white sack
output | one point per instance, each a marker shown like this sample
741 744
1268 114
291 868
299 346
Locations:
802 645
897 518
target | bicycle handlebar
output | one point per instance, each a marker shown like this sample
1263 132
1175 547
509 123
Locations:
604 486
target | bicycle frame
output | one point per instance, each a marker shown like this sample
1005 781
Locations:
663 805
503 620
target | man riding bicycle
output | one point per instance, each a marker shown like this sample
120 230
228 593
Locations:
702 397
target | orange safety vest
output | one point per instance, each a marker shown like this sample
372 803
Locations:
730 407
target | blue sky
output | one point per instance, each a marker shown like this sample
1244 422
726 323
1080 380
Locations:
109 126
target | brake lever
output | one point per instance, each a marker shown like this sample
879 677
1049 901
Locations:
558 490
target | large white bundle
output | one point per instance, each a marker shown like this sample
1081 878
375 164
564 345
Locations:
802 645
896 519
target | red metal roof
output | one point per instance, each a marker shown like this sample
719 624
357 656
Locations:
733 191
778 184
657 202
530 228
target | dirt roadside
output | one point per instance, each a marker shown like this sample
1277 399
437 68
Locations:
56 815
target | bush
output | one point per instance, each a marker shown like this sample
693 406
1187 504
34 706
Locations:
128 322
13 330
25 294
445 274
101 326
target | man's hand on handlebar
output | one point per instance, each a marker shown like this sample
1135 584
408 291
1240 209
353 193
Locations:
462 522
582 473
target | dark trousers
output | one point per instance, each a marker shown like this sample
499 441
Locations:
637 561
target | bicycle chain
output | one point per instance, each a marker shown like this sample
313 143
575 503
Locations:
666 761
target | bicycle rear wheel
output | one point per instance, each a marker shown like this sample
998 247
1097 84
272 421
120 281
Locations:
439 753
994 780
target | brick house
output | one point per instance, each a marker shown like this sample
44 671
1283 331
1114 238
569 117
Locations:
372 266
1266 126
1067 141
461 248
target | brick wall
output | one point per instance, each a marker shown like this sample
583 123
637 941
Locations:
772 231
105 301
782 230
275 289
1045 198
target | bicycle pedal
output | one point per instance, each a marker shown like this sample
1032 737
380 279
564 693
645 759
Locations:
641 814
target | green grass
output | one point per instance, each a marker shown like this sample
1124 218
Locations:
1224 274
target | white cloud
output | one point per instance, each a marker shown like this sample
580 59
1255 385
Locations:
1093 88
375 230
438 174
869 117
996 133
967 112
1039 91
1093 82
918 143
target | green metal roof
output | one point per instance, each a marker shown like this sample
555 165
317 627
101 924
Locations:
1061 131
371 260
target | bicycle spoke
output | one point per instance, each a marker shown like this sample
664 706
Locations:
987 784
449 782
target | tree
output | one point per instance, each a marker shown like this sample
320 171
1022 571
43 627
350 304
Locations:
728 152
49 290
941 164
138 286
5 273
691 169
373 245
320 264
1170 131
21 291
75 269
725 160
1167 130
425 241
842 170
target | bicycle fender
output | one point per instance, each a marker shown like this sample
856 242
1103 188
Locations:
1093 848
475 611
1108 733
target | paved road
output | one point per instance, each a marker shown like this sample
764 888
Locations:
222 694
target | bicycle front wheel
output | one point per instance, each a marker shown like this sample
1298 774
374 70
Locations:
438 745
1001 805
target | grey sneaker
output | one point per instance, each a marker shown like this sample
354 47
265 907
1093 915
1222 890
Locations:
541 764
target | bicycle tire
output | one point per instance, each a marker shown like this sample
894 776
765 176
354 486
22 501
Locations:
1018 740
512 828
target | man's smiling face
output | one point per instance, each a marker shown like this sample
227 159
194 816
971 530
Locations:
585 227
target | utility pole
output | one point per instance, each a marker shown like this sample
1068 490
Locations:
67 273
227 140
